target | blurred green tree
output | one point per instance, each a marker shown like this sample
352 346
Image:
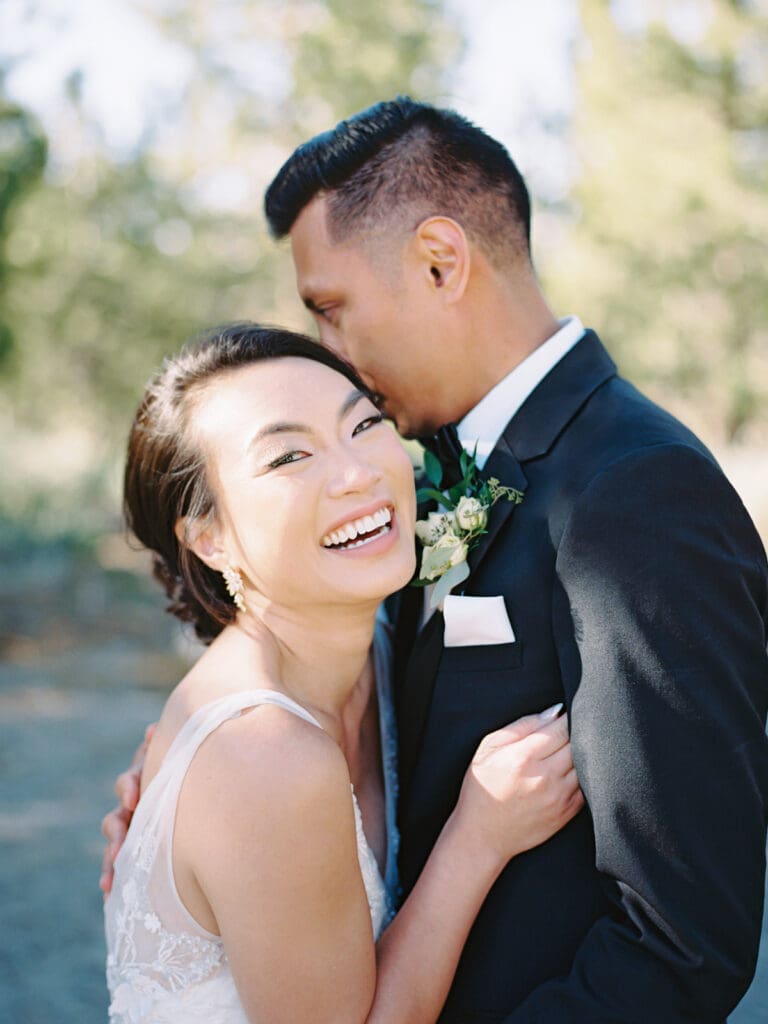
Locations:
23 150
668 248
111 259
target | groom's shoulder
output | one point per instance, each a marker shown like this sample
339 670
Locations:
627 451
622 442
621 425
636 421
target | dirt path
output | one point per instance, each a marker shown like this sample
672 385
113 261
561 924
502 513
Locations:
71 709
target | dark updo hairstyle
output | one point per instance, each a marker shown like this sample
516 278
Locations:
165 472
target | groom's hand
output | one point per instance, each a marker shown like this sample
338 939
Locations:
115 824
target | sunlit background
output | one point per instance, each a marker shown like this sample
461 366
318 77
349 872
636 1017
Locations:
136 139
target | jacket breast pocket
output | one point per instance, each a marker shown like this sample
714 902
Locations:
488 686
481 658
480 683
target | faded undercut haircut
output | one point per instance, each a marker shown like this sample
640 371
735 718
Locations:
393 165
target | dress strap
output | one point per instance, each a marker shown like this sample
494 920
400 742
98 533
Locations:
200 724
211 715
255 698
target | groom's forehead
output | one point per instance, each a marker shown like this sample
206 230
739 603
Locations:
317 257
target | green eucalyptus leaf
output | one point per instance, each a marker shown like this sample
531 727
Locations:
433 469
455 575
429 494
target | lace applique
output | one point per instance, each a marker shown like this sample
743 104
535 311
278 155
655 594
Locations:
147 961
163 968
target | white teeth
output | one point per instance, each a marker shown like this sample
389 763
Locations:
367 540
349 531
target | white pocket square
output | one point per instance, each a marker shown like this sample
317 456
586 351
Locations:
476 620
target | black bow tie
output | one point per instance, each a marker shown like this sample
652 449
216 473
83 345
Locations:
447 448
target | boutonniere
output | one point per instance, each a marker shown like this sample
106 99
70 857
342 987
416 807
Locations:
447 536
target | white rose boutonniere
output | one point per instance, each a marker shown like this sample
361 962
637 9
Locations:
471 514
447 536
446 553
435 526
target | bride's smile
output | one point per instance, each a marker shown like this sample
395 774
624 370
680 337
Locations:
315 510
361 530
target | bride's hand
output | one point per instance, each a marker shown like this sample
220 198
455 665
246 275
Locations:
520 788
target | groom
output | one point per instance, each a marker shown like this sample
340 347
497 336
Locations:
634 582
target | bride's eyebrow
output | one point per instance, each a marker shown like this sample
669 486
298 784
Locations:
351 401
301 428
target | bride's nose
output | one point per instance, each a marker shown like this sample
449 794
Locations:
351 473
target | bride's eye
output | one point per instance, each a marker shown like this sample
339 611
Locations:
287 458
369 421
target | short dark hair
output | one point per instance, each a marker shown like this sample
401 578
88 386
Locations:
401 158
165 472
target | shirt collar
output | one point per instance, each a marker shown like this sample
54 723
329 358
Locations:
483 425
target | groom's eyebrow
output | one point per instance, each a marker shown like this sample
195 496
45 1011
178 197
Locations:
301 428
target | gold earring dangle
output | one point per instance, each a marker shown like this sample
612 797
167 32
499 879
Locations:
233 581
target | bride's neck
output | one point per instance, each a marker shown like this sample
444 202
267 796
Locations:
317 656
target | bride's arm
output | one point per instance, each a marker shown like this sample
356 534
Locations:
519 790
268 826
265 837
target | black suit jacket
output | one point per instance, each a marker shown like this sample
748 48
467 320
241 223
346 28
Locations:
637 588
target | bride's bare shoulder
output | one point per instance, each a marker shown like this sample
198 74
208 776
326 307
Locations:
272 758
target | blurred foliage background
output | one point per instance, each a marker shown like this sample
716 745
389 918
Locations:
115 245
110 255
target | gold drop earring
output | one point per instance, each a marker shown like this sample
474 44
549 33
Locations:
234 584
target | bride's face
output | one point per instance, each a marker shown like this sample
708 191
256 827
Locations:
315 493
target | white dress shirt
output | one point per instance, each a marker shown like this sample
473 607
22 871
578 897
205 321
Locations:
483 425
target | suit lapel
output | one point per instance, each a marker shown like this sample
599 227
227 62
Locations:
538 423
550 407
503 465
530 434
417 688
406 631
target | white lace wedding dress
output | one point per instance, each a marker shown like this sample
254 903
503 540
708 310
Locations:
163 967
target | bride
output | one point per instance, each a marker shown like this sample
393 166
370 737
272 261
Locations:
258 873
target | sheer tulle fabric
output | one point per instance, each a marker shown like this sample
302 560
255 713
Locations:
162 966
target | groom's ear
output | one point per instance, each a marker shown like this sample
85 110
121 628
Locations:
203 537
444 255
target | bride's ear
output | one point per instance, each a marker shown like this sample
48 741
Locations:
203 537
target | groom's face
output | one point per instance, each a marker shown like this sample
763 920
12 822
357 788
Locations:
381 315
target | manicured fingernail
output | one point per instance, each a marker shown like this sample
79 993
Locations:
551 713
